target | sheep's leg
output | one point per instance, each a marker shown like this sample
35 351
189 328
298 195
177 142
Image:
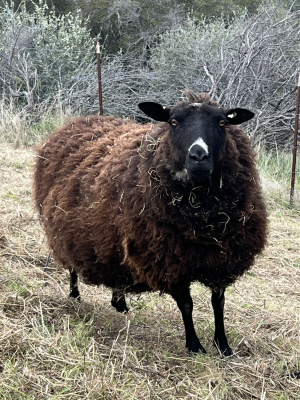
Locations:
185 305
74 292
220 339
118 301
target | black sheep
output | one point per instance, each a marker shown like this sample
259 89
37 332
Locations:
154 207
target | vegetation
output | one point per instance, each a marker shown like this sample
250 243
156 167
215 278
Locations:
124 23
252 62
248 59
41 55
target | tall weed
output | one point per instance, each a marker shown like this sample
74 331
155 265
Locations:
276 171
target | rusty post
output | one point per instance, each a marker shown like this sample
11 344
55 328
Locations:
99 78
295 143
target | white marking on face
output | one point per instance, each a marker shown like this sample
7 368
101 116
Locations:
200 142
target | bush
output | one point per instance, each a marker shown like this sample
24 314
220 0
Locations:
48 64
41 55
251 62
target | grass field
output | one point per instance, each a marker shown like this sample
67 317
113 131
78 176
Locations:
52 347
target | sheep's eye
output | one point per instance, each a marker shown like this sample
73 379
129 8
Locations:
174 122
222 122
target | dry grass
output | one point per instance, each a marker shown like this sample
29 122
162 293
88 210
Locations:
52 347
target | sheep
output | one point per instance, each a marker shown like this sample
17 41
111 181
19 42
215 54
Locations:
154 207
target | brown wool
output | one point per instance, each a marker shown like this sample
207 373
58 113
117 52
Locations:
114 212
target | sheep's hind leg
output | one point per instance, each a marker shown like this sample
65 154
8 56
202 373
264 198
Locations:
185 305
74 292
118 301
220 339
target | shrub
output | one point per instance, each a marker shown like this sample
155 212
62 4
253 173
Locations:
251 62
41 55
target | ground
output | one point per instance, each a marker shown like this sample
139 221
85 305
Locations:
53 347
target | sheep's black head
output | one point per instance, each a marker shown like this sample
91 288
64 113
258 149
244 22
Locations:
197 133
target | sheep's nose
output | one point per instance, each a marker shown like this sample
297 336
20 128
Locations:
198 154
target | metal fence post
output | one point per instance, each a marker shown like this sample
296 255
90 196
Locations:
99 78
295 144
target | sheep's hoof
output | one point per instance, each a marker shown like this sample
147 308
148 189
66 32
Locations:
223 347
194 346
120 306
75 294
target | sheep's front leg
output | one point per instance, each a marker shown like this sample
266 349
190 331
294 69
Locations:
185 305
74 292
118 301
220 339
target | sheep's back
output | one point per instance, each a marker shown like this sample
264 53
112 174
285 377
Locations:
76 146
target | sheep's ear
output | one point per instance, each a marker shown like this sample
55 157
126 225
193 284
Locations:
155 111
236 116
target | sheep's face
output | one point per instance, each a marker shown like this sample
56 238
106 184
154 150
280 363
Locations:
197 134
